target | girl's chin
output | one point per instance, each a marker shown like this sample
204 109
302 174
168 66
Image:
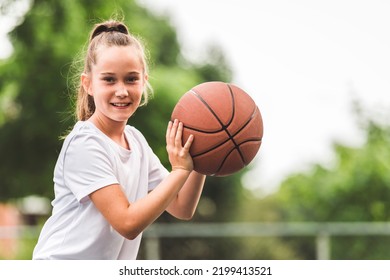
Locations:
122 118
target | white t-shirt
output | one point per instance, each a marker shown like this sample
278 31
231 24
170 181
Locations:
90 160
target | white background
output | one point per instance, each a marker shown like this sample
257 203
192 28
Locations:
201 269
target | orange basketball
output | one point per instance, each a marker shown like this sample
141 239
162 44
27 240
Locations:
226 124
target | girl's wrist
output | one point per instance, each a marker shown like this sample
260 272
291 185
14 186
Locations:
180 170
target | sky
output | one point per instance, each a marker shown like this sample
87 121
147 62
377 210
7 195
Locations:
302 61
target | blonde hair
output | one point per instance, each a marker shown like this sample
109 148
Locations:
108 33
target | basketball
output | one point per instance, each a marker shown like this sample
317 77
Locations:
227 126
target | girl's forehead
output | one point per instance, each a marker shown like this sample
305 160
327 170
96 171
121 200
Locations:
110 51
121 56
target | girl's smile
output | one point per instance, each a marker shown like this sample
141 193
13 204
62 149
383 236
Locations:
121 105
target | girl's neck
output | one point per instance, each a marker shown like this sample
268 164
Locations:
114 130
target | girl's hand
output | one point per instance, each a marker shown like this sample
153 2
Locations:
179 156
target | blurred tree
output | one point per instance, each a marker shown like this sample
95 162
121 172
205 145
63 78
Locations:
36 93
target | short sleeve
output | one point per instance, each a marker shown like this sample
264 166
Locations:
87 166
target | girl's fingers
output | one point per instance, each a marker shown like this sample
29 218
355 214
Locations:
174 129
171 131
179 134
169 128
188 143
175 133
179 155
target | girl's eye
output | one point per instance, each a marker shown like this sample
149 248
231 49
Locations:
109 79
132 79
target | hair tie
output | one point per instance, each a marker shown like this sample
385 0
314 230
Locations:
103 28
112 29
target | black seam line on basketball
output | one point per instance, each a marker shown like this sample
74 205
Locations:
219 130
239 144
227 156
201 130
236 144
224 127
232 136
220 144
243 160
248 121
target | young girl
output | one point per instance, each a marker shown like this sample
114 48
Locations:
109 185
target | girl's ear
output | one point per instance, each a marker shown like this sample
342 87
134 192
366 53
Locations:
86 83
146 77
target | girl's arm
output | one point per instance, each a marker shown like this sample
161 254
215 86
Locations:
130 219
184 205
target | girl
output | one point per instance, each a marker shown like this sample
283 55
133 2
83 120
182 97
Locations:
109 185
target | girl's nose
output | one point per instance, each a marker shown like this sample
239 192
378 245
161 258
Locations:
121 92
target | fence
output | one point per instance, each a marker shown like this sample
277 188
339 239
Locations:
322 231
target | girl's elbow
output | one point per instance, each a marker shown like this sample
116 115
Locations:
185 216
129 231
130 234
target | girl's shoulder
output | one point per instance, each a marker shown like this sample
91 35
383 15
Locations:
83 128
134 133
85 133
